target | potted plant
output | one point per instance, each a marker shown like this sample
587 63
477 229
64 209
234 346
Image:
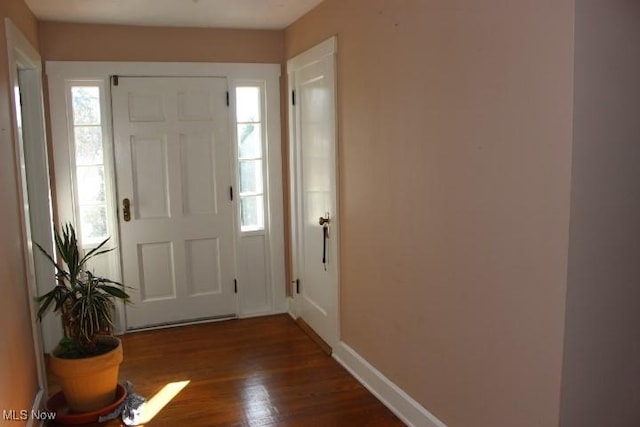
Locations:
87 359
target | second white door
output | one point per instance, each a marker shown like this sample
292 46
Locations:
173 173
314 188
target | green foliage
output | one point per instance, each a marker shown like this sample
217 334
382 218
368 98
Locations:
70 349
84 300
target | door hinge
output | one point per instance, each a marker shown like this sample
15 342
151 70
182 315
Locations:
227 98
115 80
231 193
235 286
297 286
293 97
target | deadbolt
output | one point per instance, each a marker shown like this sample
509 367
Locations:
126 210
323 221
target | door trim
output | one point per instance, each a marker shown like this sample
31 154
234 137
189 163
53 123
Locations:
25 71
327 48
61 72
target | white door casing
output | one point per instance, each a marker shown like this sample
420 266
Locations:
31 159
314 187
173 164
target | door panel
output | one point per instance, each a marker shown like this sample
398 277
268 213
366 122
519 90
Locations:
197 152
149 176
157 279
315 191
203 267
173 164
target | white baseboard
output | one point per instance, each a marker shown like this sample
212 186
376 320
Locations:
392 396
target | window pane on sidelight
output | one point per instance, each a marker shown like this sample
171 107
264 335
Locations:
85 101
248 104
90 184
250 176
249 141
252 213
93 223
88 143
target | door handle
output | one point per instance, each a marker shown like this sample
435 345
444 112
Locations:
126 210
324 222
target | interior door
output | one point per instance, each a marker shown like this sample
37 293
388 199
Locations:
314 186
173 174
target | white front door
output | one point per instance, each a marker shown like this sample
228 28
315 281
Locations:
314 210
173 177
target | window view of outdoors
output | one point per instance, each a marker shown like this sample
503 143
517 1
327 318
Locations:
89 160
250 160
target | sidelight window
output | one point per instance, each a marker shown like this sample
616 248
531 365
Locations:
249 128
87 133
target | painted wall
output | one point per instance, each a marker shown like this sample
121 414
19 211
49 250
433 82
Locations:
455 133
91 42
601 374
19 382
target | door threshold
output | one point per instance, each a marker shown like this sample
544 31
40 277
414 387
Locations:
183 323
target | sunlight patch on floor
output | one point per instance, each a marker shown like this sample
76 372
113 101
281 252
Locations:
160 400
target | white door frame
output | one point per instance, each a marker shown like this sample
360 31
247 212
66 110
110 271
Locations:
328 48
25 73
62 73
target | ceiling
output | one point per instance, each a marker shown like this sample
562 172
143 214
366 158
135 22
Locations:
246 14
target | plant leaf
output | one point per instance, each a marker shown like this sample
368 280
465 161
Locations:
94 252
116 292
45 301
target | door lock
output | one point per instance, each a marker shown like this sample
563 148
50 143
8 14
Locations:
324 221
126 210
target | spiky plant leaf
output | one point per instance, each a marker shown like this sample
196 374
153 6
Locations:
84 300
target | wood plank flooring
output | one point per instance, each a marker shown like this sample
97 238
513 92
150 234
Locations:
253 372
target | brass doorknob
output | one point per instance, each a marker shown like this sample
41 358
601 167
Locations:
324 221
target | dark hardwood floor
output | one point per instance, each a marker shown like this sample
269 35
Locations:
252 372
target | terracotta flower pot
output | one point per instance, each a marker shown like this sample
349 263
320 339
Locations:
90 383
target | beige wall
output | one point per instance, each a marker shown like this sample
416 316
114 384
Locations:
601 374
455 132
90 42
18 375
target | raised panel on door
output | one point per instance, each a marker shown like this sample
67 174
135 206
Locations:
145 106
196 105
156 271
198 156
173 164
150 178
203 267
